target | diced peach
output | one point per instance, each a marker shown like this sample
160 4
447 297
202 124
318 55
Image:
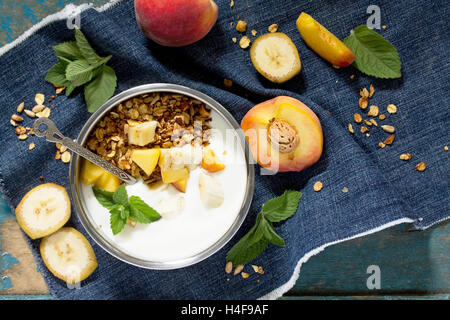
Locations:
146 159
90 172
323 42
283 134
180 185
173 175
108 182
100 178
210 162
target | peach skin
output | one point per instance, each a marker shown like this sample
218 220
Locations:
323 42
175 23
283 134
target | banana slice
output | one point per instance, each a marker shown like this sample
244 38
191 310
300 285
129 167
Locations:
211 191
43 210
141 134
171 207
68 255
275 57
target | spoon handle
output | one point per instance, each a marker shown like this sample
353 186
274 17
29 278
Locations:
52 134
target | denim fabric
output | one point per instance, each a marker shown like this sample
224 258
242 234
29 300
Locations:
381 187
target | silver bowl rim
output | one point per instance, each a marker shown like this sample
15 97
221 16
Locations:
107 245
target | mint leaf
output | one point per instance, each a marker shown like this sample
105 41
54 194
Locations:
270 234
105 198
257 239
142 212
116 220
68 50
57 74
69 89
282 207
120 196
85 48
99 90
375 56
79 72
248 248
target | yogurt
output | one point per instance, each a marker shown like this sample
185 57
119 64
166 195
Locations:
188 227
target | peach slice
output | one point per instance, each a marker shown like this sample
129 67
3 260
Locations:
283 134
210 162
323 42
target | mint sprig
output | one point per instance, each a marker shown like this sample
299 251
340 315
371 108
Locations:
79 65
374 55
123 208
262 233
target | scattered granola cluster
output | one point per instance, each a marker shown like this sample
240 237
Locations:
239 269
374 112
38 111
177 116
241 27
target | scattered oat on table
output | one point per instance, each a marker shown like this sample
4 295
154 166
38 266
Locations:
238 269
31 146
392 108
389 140
16 118
388 128
318 186
254 32
357 117
381 145
363 103
229 267
244 43
405 156
382 116
364 129
231 4
373 111
273 28
421 166
371 91
245 275
227 83
20 107
350 128
30 113
39 98
241 26
446 148
345 190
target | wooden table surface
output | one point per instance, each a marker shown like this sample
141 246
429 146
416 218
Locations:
413 264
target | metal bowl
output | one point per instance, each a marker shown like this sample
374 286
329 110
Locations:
85 217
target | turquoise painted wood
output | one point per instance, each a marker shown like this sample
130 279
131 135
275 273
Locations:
413 264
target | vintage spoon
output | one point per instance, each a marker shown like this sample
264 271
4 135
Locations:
52 134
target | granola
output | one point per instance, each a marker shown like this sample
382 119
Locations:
180 120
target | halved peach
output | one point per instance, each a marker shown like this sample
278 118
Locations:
210 162
283 134
323 42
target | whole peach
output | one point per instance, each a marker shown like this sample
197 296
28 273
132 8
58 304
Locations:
175 23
